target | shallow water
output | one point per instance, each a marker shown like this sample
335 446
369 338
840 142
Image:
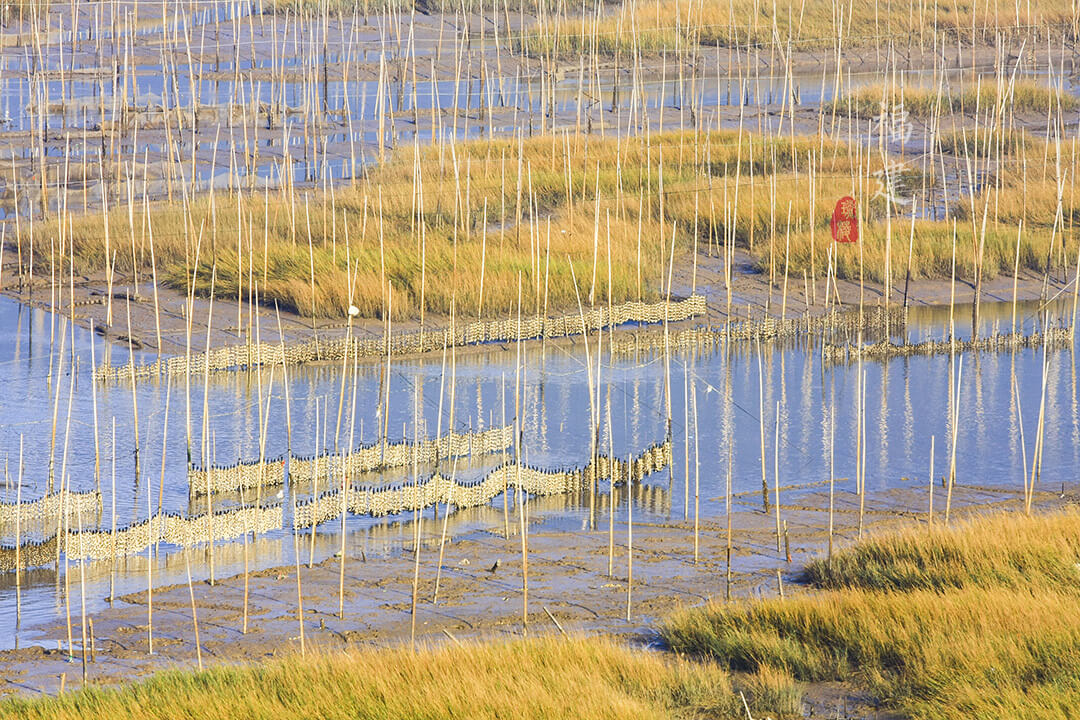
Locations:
907 402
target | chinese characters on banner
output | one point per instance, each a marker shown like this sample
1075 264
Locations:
845 223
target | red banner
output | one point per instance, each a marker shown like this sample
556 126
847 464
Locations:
845 223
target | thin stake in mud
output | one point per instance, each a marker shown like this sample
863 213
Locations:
930 483
194 615
417 522
629 545
299 587
728 510
832 475
697 481
776 474
952 450
149 578
18 541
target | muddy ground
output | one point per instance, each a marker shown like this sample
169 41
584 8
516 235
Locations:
751 296
480 594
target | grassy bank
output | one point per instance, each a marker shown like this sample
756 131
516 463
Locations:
498 211
656 25
578 679
493 209
979 621
924 103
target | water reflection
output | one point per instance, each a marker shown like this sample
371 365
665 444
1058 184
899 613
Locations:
907 400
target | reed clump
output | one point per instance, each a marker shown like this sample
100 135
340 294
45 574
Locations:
973 621
475 219
657 25
870 101
984 141
606 207
1001 551
543 678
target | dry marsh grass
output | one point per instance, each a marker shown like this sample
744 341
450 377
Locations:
576 679
580 200
657 25
977 621
1040 553
870 101
574 192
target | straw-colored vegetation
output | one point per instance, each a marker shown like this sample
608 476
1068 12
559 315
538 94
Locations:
871 101
580 679
656 25
978 621
572 190
577 196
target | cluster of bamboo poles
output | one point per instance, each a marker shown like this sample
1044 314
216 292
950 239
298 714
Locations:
996 118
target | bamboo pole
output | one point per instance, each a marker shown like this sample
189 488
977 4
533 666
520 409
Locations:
761 426
697 477
18 540
112 544
629 546
149 580
417 520
299 586
776 474
454 466
82 589
727 510
523 497
832 476
952 450
194 615
930 483
345 490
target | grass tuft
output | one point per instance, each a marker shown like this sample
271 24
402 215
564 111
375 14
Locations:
976 621
547 678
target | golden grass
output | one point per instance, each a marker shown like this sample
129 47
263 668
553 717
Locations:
575 192
655 25
577 679
923 102
977 621
381 222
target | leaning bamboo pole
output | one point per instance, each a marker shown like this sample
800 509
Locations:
930 484
345 492
952 449
194 614
629 545
776 474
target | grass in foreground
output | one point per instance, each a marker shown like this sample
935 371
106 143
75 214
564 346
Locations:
578 679
980 621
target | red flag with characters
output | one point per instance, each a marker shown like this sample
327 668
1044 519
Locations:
845 223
